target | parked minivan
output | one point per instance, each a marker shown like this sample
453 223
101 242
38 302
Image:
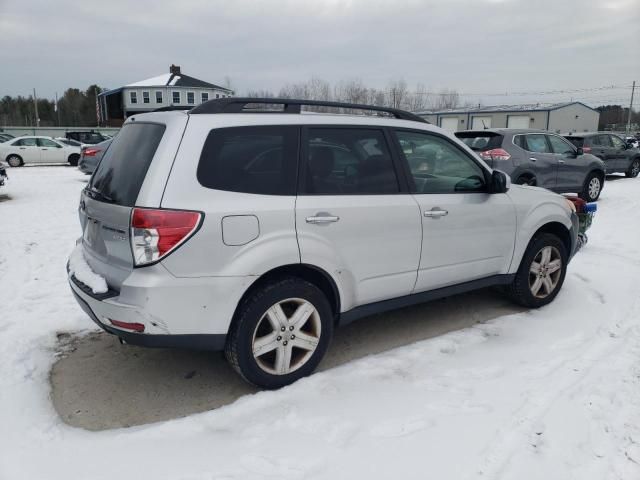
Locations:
539 158
250 226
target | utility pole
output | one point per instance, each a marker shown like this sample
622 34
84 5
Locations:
633 88
35 103
57 109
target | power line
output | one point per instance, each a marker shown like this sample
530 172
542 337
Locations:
533 92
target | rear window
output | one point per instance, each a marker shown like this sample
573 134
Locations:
481 141
121 172
577 141
260 160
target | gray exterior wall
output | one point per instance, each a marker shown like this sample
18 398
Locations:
498 119
570 118
574 118
54 131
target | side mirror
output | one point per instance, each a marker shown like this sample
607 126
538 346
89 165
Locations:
500 182
579 151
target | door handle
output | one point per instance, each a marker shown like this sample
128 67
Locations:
23 148
435 213
320 218
533 159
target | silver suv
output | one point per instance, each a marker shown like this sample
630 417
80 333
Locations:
239 227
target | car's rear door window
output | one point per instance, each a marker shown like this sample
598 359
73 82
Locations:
261 160
537 143
605 141
121 172
347 161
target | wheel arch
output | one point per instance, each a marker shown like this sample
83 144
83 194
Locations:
311 273
557 229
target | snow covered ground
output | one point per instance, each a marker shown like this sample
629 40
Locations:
547 394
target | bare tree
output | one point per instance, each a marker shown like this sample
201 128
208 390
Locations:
351 91
260 93
418 100
447 99
397 93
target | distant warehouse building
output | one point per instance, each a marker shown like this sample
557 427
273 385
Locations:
560 117
171 89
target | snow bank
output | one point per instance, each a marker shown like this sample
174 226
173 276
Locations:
544 394
79 267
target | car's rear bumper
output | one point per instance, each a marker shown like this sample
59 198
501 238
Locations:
188 341
175 312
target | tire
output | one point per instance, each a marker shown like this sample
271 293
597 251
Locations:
73 159
592 187
526 180
14 161
535 286
634 169
289 351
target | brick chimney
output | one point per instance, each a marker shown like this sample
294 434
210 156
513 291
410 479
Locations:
174 69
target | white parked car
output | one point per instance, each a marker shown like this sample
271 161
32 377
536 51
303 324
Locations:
29 150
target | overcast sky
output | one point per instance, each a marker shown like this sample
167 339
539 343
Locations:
473 46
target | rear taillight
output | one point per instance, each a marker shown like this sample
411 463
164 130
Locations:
586 149
90 152
495 154
156 232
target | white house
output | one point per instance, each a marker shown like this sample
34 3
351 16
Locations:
167 90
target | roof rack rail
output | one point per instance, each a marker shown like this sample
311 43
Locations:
238 105
170 108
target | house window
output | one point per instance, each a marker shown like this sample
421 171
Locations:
145 97
133 96
191 98
217 95
176 97
204 97
158 97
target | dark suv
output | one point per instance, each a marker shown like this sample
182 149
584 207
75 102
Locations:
539 158
617 155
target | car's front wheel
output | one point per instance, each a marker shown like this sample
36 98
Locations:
592 187
280 333
541 273
634 169
14 161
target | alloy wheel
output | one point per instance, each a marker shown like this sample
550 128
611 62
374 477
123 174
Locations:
594 187
286 336
635 169
545 272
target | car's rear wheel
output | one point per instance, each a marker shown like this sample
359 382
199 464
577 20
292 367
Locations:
634 169
14 161
526 180
541 273
73 159
280 333
592 187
